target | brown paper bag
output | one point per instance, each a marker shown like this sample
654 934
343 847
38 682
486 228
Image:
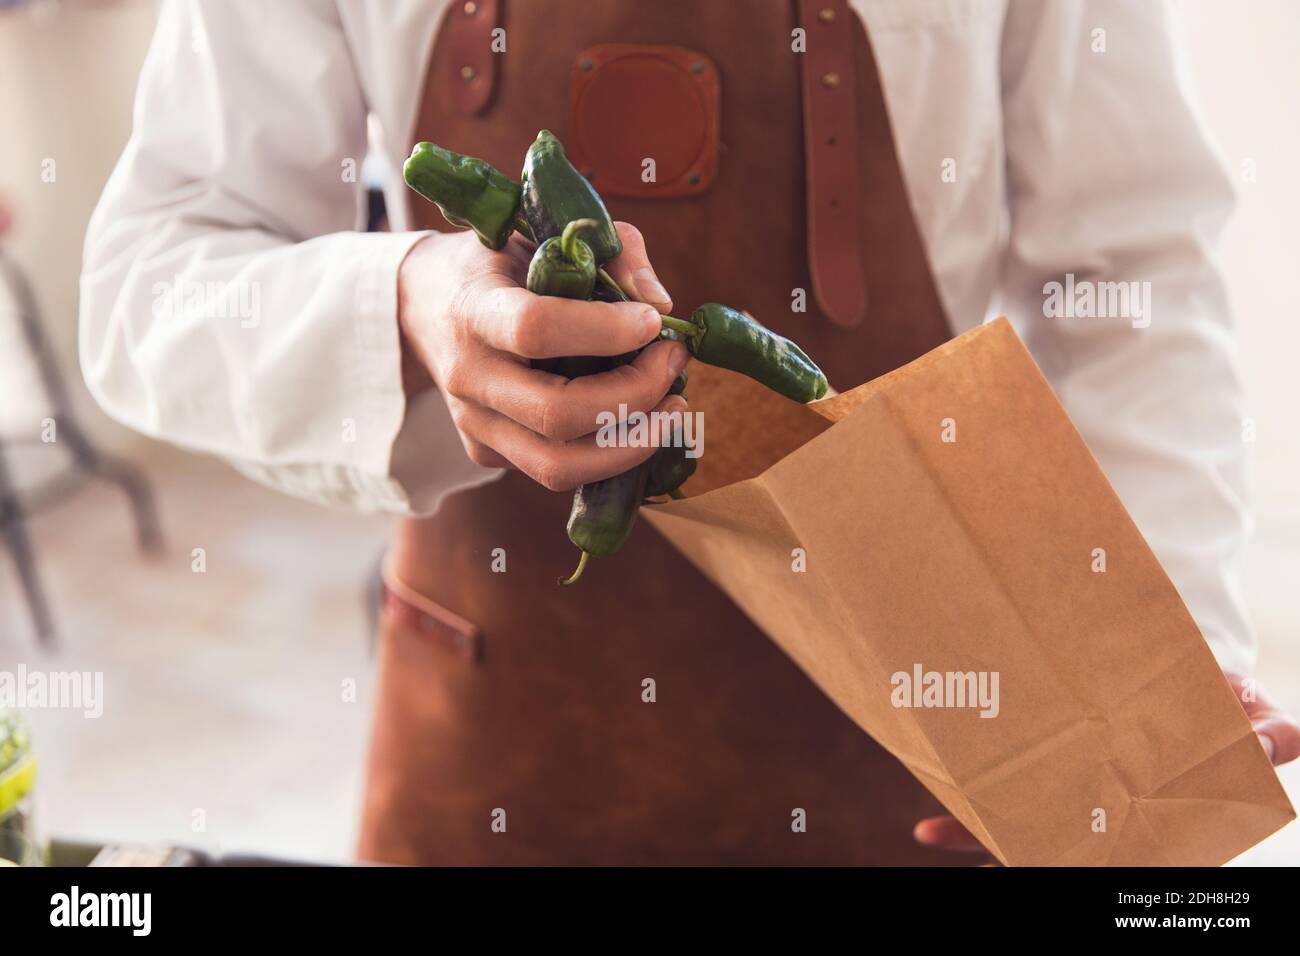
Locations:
953 521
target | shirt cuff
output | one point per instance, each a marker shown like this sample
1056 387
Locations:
412 443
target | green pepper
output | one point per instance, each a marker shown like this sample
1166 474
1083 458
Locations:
555 194
603 514
604 511
564 266
717 335
468 191
670 468
570 276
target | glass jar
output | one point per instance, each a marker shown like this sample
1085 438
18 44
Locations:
19 843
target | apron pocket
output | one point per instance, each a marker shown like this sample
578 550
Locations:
431 621
644 121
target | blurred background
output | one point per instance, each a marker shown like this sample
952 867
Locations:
237 700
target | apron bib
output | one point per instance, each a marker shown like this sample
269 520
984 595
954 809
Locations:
511 725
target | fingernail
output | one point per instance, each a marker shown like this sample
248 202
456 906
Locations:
1266 742
649 288
651 323
677 358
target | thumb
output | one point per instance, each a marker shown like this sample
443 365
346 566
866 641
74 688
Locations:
633 272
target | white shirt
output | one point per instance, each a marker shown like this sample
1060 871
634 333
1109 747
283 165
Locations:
229 304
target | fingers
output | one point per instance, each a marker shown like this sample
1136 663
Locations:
562 409
559 466
511 319
1280 737
633 272
945 833
481 455
542 424
1279 733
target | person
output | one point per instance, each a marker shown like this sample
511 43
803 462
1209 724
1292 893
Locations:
914 167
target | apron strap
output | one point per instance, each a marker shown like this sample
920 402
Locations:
830 133
830 110
470 70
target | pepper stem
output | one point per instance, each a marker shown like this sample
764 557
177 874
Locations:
680 325
569 238
669 322
521 226
677 494
577 572
608 282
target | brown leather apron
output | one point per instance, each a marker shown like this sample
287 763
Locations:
510 725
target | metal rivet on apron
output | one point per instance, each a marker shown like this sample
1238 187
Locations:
697 66
585 65
826 14
471 8
693 179
468 73
830 80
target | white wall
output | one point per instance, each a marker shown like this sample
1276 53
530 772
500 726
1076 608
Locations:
1245 60
69 70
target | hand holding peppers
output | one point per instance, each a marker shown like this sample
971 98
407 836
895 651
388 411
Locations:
556 206
465 317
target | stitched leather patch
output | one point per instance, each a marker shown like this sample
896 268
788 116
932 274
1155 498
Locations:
644 120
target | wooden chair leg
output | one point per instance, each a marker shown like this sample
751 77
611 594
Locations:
20 547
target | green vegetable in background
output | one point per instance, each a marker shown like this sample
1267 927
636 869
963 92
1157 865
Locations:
18 838
468 191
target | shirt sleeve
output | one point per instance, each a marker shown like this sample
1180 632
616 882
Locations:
1111 180
227 303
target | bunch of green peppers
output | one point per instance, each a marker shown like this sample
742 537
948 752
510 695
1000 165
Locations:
557 207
